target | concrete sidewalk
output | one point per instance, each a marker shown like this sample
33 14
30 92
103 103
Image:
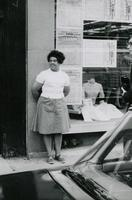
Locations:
12 165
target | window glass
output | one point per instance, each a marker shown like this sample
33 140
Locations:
118 162
122 149
106 57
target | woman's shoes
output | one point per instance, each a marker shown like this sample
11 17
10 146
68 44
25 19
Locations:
50 160
60 159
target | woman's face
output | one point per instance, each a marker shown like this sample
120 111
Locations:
91 80
53 64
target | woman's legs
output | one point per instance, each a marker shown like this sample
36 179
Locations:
57 143
48 141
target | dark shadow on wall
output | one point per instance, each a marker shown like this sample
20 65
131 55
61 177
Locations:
12 78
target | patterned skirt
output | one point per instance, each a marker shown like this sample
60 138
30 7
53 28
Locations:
51 116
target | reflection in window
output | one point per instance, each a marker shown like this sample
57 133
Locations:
108 76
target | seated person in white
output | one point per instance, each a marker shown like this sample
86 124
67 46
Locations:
92 111
92 90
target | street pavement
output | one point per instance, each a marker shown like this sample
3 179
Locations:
19 164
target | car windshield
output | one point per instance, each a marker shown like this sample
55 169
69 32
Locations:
94 148
112 135
115 161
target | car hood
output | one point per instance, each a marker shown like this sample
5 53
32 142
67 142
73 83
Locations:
34 185
109 187
69 186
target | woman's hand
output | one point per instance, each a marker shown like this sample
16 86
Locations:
123 91
102 101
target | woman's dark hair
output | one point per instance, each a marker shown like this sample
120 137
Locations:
58 55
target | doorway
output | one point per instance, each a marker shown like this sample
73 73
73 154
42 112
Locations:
12 78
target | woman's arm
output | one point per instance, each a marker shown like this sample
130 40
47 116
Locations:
36 89
66 90
101 92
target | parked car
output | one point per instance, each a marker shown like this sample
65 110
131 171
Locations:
103 173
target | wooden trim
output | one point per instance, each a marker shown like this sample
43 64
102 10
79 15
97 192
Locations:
80 126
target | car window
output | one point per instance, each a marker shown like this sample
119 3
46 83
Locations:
117 151
94 148
118 162
122 148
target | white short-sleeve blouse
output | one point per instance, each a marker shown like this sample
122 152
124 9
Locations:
53 83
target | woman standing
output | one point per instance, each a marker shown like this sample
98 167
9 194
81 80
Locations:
51 118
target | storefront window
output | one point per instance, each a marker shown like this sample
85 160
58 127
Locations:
99 35
94 36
